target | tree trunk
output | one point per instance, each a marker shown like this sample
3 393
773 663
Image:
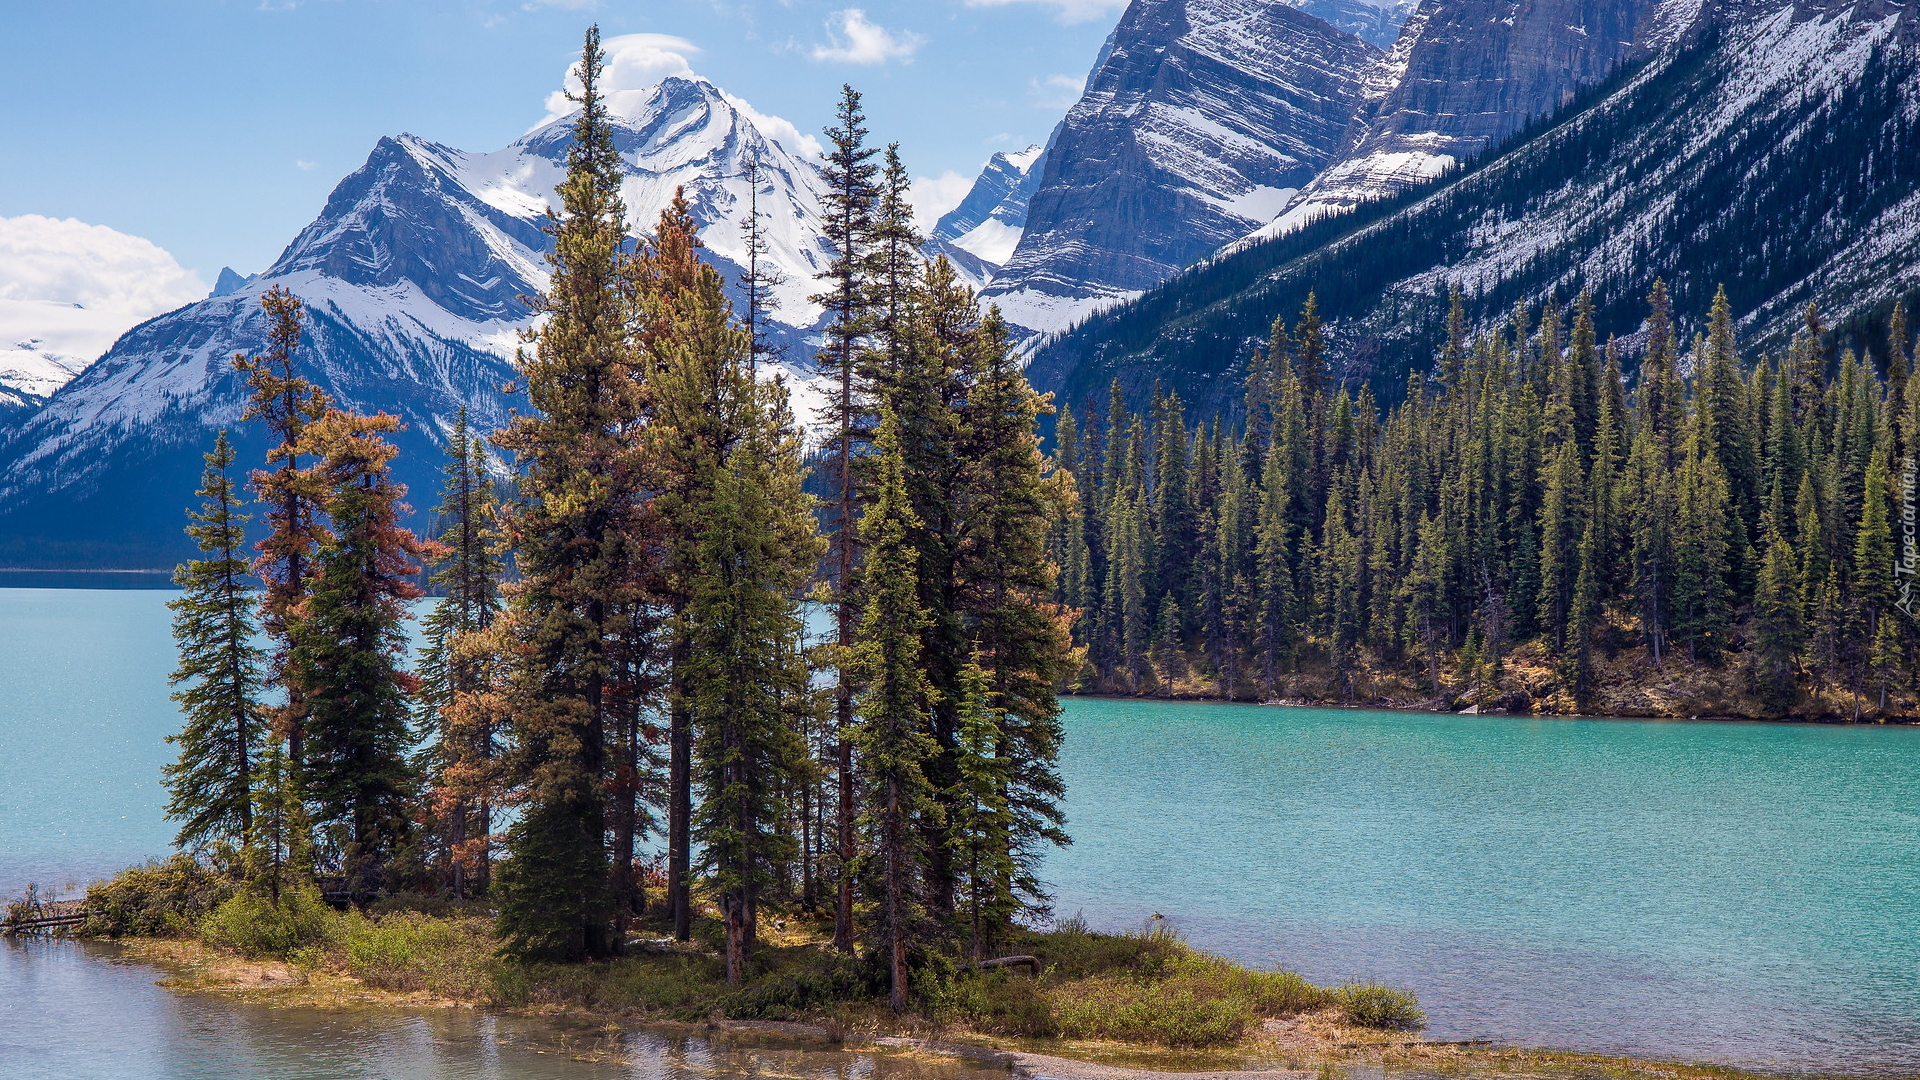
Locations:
896 898
679 821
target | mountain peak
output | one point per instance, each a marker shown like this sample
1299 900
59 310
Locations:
228 282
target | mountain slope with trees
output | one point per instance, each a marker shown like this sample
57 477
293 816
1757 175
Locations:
1774 151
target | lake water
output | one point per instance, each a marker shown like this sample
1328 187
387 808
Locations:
1742 893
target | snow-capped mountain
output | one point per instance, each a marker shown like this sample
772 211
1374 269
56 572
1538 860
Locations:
413 276
43 345
1466 74
1770 147
1200 121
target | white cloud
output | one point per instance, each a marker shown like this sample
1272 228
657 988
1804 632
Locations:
634 62
68 290
777 129
1056 91
304 165
933 196
858 41
1069 11
71 262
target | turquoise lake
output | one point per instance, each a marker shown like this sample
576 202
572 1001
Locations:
1742 893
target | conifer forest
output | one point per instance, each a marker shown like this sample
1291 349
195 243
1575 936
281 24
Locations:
1525 531
617 654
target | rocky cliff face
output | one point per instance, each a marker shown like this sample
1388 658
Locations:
1466 74
1375 23
1201 119
412 277
1772 148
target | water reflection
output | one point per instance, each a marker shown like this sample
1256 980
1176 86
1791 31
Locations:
77 1009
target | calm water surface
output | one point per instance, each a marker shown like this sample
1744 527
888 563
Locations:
1743 893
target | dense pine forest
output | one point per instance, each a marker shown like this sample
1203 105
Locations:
617 650
1730 535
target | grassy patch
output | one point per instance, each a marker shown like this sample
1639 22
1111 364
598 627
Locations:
1151 988
1147 989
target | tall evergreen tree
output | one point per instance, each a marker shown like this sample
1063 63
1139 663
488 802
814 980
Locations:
285 402
578 532
456 667
761 278
849 177
745 668
349 643
980 819
894 744
220 674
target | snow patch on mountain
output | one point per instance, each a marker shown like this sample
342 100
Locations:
993 240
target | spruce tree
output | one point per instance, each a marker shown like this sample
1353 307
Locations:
691 350
980 818
1779 625
744 668
849 175
220 674
285 402
279 853
456 668
894 707
578 529
760 278
349 643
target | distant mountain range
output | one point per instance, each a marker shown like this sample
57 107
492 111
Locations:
1226 158
414 276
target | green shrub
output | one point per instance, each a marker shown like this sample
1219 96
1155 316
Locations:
411 951
1187 1012
253 924
1074 955
158 899
1282 993
1000 1003
1373 1005
677 983
800 992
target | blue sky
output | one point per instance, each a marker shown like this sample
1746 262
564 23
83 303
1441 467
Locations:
216 129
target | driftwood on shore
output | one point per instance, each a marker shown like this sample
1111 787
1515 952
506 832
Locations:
35 916
1011 961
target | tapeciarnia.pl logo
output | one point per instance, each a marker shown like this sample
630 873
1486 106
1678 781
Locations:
1908 561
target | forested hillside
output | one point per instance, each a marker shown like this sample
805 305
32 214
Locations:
1732 535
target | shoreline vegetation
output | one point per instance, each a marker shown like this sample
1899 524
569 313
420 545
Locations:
1140 1005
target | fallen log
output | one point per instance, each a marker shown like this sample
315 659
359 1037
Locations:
1011 961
